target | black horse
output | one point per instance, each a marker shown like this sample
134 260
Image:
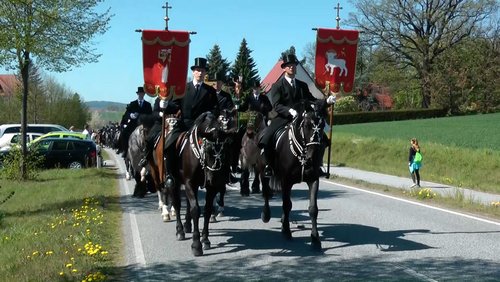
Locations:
204 162
298 158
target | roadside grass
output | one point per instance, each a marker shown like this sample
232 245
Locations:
383 147
455 201
65 226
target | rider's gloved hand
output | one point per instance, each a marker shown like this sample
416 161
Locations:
331 100
161 114
134 115
163 104
293 113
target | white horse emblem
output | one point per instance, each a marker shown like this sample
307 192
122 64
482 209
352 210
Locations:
333 62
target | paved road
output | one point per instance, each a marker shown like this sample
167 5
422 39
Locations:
365 236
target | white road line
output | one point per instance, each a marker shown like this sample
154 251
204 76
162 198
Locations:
136 237
414 203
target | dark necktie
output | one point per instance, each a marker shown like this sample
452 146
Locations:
292 82
197 86
140 103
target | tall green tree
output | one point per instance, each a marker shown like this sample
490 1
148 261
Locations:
245 66
57 34
218 64
417 32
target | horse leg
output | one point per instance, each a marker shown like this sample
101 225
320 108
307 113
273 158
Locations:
192 196
256 182
209 200
287 207
165 216
244 184
313 213
220 202
176 201
266 192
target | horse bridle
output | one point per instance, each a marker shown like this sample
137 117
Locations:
200 150
299 148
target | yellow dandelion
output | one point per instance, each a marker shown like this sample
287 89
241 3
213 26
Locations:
69 265
74 270
61 273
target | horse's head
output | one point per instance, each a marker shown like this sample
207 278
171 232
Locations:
308 129
255 124
214 137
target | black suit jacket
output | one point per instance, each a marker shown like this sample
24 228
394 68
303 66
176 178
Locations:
193 104
261 104
283 97
225 100
133 107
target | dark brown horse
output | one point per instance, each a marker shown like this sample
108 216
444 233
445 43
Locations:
250 156
298 158
157 170
204 162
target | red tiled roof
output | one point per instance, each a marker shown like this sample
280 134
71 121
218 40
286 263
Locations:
273 76
8 84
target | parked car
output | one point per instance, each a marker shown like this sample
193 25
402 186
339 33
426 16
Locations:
7 131
67 152
15 140
61 134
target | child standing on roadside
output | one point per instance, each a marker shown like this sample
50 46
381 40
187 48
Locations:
415 162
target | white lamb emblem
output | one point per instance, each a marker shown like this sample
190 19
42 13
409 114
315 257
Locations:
333 62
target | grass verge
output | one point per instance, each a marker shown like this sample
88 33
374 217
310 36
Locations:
65 226
455 201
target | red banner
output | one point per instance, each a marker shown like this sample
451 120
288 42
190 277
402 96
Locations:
336 58
165 57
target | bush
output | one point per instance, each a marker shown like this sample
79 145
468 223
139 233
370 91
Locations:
11 165
346 104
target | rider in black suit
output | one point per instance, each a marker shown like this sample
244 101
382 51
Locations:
199 98
284 94
134 110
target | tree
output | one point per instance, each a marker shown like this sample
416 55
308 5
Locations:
417 32
244 66
217 64
57 34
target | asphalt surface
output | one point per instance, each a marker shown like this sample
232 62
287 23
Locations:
366 236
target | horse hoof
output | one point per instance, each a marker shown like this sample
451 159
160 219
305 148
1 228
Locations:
181 236
166 218
197 251
206 246
265 215
316 246
213 219
287 234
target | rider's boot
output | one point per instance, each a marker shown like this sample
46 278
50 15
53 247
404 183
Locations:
268 171
169 162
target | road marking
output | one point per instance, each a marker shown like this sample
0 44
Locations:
415 203
136 236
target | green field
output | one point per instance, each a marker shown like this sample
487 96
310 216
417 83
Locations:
461 151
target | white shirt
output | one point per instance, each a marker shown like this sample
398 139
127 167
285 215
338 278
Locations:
289 79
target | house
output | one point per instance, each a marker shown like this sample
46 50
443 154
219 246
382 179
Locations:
8 84
277 72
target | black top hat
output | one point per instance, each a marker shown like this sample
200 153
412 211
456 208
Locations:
140 89
289 59
200 63
219 76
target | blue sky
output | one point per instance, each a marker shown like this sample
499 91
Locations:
269 26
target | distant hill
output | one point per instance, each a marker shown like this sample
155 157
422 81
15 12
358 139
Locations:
106 106
104 112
